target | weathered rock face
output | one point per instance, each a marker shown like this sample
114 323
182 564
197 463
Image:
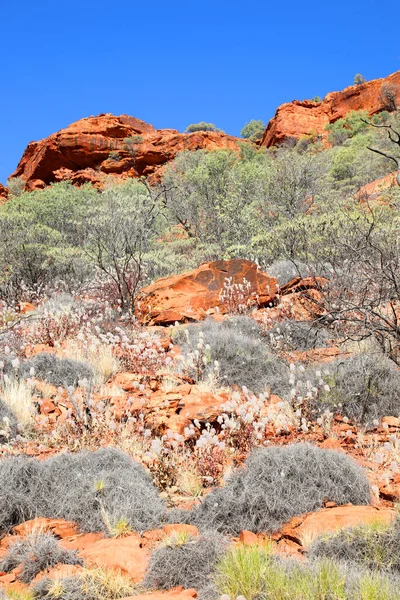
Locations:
92 148
3 192
376 189
193 295
299 118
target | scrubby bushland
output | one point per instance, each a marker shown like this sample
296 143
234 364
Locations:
93 584
57 371
98 490
241 352
375 546
255 574
278 483
35 553
189 564
297 335
364 387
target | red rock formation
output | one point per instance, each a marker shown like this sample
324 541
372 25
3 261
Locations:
376 189
92 148
3 193
299 118
191 296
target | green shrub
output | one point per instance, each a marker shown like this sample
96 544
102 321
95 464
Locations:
201 126
253 130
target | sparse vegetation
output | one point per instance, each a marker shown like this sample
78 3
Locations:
188 564
374 546
35 553
241 354
278 483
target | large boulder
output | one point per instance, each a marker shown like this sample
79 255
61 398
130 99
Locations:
193 295
93 148
296 119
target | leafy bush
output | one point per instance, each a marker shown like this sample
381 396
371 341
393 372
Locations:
95 489
189 565
35 553
242 354
364 387
201 126
253 130
93 584
57 371
375 546
278 483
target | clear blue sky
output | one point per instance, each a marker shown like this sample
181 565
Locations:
177 62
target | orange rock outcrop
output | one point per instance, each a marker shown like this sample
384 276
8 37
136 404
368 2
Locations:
92 148
193 295
296 119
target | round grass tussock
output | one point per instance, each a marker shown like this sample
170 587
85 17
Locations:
242 353
35 553
189 564
278 483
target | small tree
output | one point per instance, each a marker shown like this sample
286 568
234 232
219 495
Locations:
253 130
394 137
119 233
388 97
359 79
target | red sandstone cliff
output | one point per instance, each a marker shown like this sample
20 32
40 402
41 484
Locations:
299 118
92 148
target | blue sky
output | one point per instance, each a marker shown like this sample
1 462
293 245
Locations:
177 62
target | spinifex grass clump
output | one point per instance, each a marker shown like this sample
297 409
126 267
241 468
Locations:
376 546
57 371
364 388
235 353
91 584
278 483
255 574
188 564
35 553
295 335
96 489
8 423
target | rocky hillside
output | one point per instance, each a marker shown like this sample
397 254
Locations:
301 118
92 148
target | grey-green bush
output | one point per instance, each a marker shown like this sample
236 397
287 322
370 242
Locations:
189 565
364 387
242 353
374 546
35 553
57 371
297 335
278 483
95 489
